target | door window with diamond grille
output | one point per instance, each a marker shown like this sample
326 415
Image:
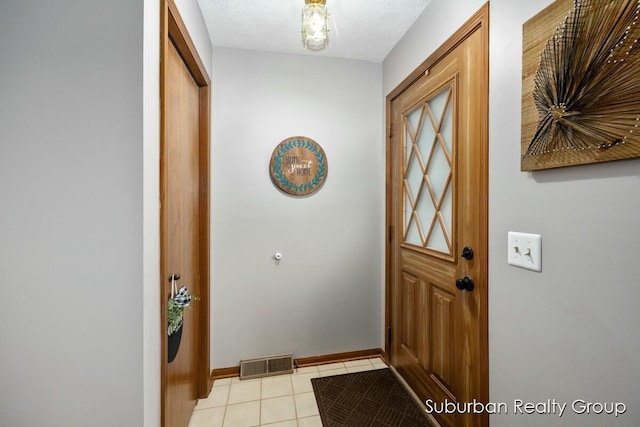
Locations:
428 165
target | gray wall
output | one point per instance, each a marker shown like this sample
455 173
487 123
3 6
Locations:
571 331
325 295
71 219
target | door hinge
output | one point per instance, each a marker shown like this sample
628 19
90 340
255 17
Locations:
389 335
390 233
389 130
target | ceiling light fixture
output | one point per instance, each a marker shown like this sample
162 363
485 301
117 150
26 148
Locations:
314 24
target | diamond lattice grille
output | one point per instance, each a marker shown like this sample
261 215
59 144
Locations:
428 165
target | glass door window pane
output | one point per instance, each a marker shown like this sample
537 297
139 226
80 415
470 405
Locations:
428 166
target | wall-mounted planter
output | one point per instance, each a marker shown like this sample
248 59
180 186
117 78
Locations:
173 344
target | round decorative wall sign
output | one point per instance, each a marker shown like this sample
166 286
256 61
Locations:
298 166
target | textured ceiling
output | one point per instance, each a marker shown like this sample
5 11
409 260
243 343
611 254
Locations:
358 29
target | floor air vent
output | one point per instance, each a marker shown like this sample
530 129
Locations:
266 366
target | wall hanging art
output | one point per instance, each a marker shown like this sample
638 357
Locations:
298 166
581 84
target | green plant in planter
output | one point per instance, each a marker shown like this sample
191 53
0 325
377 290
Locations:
175 309
175 315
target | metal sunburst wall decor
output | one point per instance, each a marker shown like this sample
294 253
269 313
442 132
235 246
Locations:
581 104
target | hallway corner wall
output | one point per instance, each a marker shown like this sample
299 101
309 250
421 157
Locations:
151 213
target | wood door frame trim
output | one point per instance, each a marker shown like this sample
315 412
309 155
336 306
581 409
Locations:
479 21
173 30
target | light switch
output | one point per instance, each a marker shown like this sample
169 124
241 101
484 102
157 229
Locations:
525 250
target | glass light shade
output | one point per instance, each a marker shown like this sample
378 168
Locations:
314 26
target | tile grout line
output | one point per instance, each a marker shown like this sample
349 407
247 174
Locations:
226 404
260 410
293 395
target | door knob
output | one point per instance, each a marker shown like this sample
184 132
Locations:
175 276
465 284
467 253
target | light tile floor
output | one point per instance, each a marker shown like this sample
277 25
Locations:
280 401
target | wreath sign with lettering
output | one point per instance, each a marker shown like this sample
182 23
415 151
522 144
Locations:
298 166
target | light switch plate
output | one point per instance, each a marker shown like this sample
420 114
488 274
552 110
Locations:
525 250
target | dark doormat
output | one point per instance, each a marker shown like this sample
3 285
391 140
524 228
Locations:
370 398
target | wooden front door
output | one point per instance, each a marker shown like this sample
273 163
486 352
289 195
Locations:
438 214
184 177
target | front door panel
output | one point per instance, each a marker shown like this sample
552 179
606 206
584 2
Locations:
439 206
